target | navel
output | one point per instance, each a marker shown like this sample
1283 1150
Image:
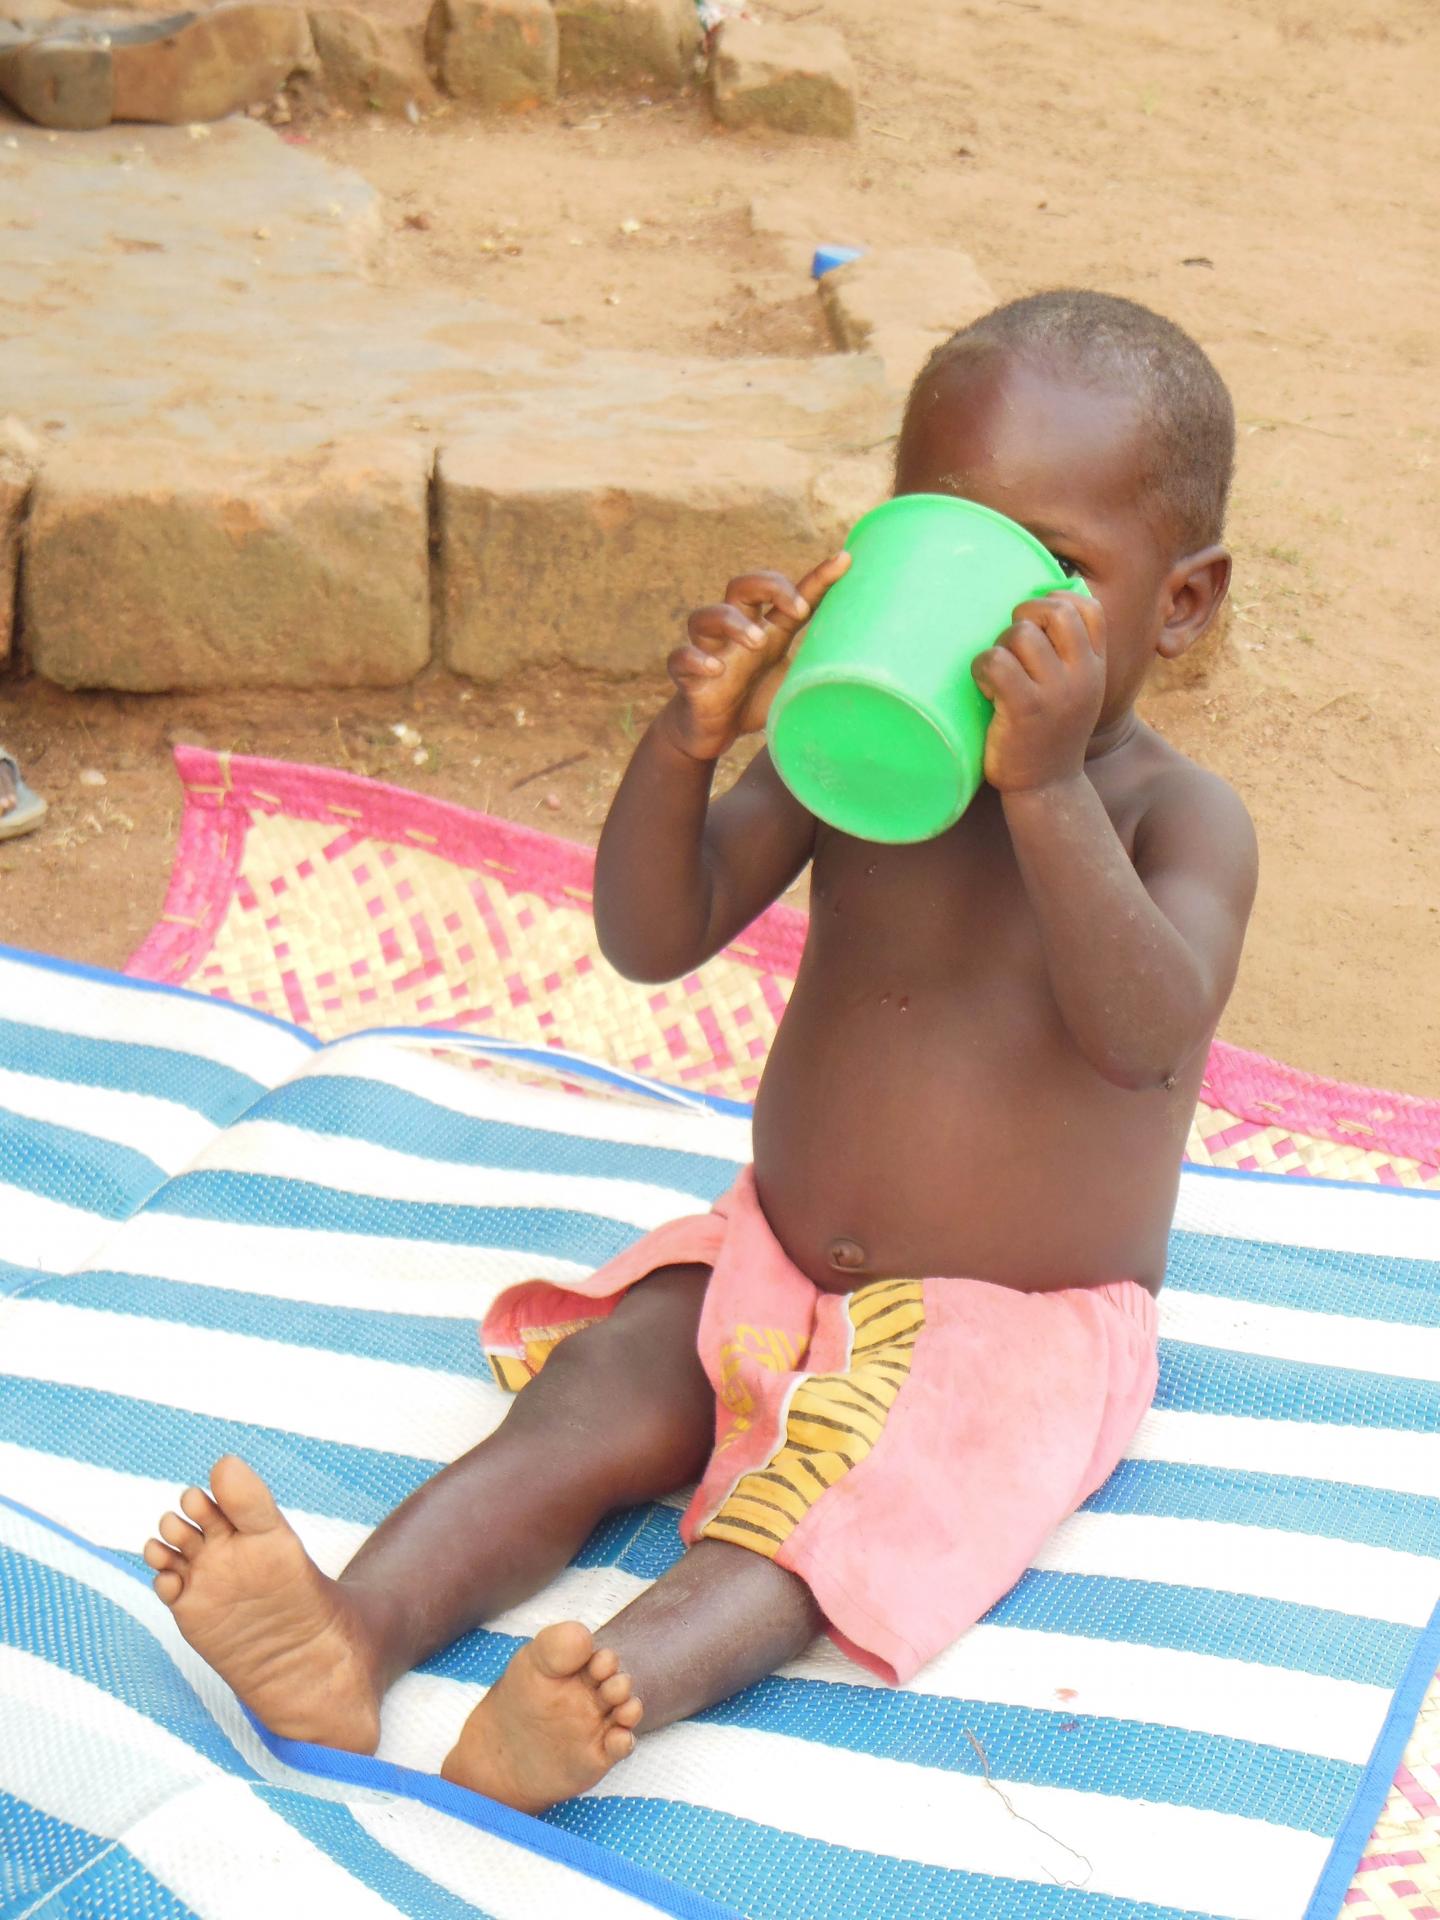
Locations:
848 1256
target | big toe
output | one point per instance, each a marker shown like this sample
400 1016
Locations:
562 1650
243 1496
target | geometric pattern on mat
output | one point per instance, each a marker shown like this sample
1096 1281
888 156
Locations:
220 1235
340 903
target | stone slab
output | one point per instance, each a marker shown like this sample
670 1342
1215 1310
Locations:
151 568
593 553
645 44
789 79
901 302
498 54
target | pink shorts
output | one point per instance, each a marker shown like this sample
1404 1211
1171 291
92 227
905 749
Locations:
905 1448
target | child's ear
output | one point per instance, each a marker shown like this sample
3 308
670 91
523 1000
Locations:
1194 594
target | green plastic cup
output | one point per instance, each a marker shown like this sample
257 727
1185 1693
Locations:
878 728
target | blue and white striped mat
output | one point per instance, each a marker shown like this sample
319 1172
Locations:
217 1236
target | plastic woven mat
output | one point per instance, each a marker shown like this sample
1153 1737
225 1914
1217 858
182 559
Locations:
341 904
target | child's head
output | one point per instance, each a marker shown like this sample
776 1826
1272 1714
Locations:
1105 430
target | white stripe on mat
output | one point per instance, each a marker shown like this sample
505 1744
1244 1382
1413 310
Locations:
330 1269
1350 1456
510 1882
637 1121
1379 1582
385 1173
1173 1856
357 1401
48 1234
162 1129
95 1010
1291 1333
1347 1218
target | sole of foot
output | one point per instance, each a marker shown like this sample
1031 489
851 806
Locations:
556 1721
255 1607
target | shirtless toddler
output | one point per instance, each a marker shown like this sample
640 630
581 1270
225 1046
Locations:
986 1073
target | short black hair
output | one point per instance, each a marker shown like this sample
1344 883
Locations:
1110 342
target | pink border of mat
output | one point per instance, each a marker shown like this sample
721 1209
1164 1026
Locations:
223 792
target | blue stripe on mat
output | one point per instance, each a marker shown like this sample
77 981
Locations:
351 1108
1197 1379
78 1170
333 1830
1356 1286
166 1443
58 1619
87 1876
218 1092
1330 1509
1232 1626
1025 1746
266 1200
763 1870
38 1852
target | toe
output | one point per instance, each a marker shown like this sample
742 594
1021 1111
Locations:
161 1558
629 1713
619 1743
613 1691
197 1505
243 1497
602 1665
169 1586
178 1533
562 1650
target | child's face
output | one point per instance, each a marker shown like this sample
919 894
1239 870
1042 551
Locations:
1064 460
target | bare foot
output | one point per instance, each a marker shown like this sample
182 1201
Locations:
252 1603
554 1723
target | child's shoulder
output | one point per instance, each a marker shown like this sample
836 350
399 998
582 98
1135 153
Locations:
1177 799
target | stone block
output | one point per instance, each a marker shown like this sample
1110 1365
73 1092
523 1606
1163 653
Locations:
593 552
19 456
213 63
369 62
499 54
788 79
645 44
152 567
901 302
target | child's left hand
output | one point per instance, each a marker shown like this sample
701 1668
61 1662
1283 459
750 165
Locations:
1046 676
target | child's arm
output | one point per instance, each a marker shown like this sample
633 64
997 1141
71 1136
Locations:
1142 955
676 878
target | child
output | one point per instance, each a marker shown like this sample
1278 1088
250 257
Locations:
987 1072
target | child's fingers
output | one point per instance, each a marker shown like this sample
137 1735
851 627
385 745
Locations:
725 625
755 592
691 663
818 582
1075 624
1001 678
1031 645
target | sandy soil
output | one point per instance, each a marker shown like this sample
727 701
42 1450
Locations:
1256 168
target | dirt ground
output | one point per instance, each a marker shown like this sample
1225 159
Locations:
1258 169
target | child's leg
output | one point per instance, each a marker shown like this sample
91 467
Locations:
561 1713
622 1412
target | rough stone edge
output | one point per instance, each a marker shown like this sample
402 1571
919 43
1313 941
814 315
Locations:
20 453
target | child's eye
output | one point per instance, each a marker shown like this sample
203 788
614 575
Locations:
1067 567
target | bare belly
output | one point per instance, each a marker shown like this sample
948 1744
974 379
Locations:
944 1131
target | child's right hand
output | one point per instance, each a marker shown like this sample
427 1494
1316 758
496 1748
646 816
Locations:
727 672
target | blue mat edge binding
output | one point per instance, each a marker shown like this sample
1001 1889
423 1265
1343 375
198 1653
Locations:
429 1790
1347 1849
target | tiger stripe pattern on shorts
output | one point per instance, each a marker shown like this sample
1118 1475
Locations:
832 1421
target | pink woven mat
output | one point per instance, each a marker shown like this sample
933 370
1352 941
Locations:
340 902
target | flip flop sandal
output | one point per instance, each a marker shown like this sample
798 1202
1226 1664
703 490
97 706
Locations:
29 809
